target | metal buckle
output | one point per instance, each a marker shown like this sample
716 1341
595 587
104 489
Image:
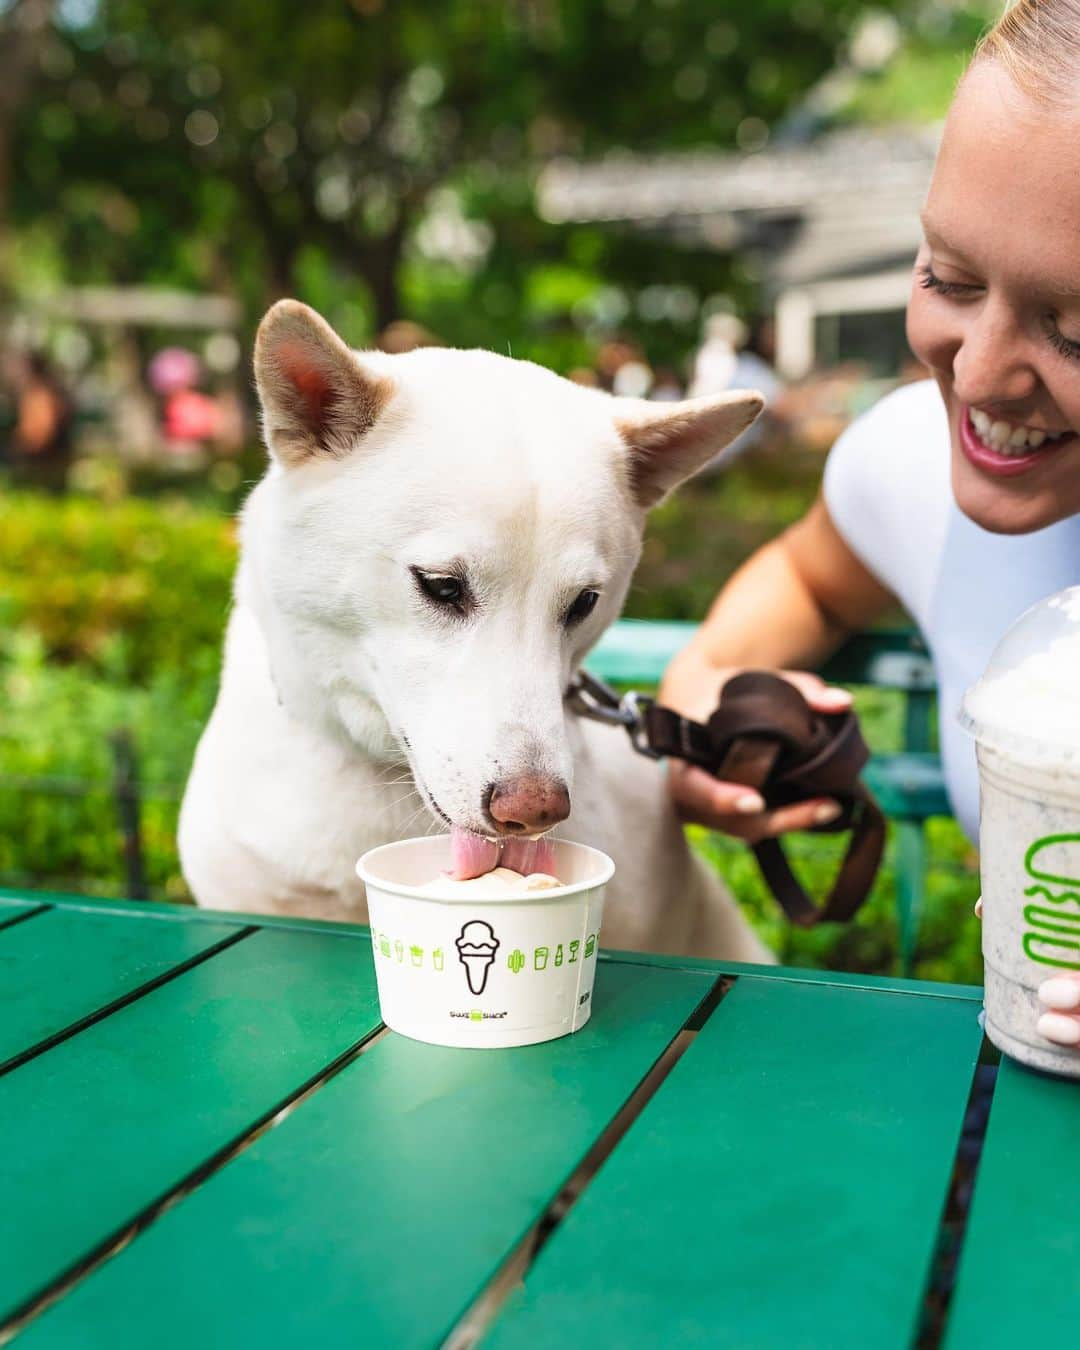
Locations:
593 699
635 706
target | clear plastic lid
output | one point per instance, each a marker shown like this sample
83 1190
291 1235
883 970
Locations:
1028 700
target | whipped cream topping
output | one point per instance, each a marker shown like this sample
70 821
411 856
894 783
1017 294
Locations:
1037 701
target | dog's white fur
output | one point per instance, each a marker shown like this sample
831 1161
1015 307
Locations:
352 709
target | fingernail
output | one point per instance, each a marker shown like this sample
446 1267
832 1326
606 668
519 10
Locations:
749 803
1061 994
825 812
838 696
978 910
1059 1029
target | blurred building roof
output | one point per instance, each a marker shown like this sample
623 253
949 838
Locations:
845 204
142 305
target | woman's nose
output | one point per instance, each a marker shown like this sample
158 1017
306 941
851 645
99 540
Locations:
992 363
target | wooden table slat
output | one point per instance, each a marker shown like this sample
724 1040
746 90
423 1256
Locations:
374 1212
783 1189
105 1122
1019 1279
64 965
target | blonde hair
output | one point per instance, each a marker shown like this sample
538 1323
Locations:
1038 43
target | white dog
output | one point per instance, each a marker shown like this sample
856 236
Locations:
439 539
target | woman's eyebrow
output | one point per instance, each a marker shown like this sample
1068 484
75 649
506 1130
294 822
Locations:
935 236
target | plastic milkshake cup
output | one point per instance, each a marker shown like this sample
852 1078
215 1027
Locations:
1025 716
479 972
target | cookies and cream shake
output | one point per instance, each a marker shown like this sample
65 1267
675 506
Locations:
1025 716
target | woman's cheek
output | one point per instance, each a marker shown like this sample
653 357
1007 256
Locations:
929 333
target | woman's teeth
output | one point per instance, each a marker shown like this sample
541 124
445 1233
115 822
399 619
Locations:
1008 440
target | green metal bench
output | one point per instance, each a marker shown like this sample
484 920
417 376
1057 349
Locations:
909 783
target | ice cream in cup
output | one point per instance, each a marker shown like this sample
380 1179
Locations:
1025 716
483 977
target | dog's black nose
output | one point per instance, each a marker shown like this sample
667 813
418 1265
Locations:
529 804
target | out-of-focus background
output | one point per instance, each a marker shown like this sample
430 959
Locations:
651 196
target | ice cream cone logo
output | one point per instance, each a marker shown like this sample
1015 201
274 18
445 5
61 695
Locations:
477 945
1053 936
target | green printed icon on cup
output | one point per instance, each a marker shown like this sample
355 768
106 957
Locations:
477 946
1053 935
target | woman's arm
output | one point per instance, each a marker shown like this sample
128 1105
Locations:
789 606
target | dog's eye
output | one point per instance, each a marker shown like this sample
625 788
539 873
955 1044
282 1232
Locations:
582 607
443 590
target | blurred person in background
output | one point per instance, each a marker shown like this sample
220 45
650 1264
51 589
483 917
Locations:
724 362
958 496
41 439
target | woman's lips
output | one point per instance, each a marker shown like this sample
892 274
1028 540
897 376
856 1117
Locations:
1000 466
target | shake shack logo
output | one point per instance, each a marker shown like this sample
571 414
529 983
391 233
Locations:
478 1015
1052 917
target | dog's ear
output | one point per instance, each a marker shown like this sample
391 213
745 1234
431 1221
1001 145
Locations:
667 442
317 397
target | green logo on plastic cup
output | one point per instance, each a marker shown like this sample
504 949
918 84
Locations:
1053 936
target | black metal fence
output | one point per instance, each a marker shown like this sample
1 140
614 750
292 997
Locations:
127 793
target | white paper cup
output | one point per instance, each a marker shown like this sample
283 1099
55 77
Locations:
1029 836
483 971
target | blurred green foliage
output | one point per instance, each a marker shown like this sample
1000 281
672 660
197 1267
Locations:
243 146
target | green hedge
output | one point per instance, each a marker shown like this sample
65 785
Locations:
131 588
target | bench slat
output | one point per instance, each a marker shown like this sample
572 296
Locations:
63 966
372 1214
783 1188
1019 1281
104 1123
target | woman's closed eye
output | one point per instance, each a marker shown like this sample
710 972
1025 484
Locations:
1067 346
930 281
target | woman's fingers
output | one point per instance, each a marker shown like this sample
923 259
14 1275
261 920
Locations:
821 696
701 797
1061 994
738 810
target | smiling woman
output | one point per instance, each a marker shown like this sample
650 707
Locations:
958 496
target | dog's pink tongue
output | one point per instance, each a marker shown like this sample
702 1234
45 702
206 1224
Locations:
471 855
528 855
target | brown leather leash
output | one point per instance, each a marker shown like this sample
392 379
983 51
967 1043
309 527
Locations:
765 735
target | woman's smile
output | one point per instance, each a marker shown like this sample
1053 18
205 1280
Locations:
1006 448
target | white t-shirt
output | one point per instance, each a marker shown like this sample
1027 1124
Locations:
889 493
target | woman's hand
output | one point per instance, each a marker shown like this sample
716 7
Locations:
1060 996
733 808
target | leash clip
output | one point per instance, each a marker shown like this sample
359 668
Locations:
598 702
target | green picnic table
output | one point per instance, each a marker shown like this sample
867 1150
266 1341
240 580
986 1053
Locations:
208 1139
